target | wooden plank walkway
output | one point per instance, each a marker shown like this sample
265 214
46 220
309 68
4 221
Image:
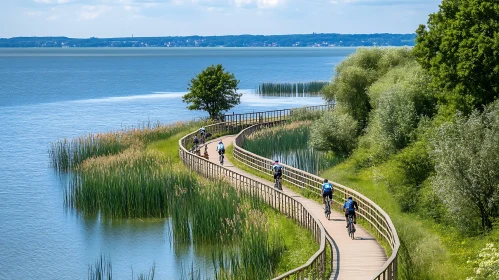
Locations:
354 259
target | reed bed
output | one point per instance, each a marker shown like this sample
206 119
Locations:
304 114
257 255
301 89
67 154
131 184
103 270
289 145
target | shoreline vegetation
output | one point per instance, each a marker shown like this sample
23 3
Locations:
136 173
300 89
412 156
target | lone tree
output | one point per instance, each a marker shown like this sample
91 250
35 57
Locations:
213 91
460 49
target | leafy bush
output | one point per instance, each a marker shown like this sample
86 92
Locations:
487 263
466 156
400 100
335 132
303 114
356 73
405 174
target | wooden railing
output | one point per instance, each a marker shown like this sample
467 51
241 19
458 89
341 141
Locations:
318 266
377 219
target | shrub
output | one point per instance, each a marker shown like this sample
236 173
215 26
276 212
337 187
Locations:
359 71
487 263
466 156
335 132
400 100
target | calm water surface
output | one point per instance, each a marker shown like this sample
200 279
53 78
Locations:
49 94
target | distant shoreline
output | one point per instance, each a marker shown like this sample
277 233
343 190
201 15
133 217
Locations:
263 41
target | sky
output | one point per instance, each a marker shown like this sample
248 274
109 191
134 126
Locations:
124 18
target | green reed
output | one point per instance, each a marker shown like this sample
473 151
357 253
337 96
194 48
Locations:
301 89
289 145
131 184
67 154
258 252
103 270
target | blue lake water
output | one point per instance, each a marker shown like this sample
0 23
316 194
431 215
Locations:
49 94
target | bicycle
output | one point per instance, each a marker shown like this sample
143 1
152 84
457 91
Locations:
351 226
221 158
277 183
327 207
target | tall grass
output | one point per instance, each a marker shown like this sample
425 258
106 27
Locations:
302 89
131 184
67 154
144 184
103 270
289 145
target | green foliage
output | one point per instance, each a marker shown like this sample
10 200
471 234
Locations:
466 156
487 263
400 99
406 173
213 90
334 131
459 47
355 74
303 114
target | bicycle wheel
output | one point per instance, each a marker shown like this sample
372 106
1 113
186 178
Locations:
328 212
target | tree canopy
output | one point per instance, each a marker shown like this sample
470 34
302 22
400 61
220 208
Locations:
460 48
213 90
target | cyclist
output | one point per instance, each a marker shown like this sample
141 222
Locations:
349 207
196 142
202 131
277 168
327 191
221 148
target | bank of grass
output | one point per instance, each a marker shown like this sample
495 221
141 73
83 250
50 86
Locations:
299 242
67 154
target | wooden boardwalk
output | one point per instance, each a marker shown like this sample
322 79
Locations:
361 258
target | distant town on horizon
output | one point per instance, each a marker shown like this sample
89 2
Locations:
292 40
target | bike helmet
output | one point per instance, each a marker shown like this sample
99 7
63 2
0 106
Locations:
220 142
276 161
349 197
325 181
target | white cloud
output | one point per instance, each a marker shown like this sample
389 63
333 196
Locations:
93 12
261 4
51 1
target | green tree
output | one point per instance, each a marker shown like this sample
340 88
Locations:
213 91
460 48
355 74
334 131
466 157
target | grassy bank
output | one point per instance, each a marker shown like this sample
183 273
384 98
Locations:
146 179
420 237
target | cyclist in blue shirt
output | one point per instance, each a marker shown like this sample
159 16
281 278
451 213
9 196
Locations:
221 148
349 207
277 168
327 191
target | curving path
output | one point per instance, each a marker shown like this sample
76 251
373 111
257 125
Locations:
355 259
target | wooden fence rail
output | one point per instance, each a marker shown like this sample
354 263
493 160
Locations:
318 266
377 219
